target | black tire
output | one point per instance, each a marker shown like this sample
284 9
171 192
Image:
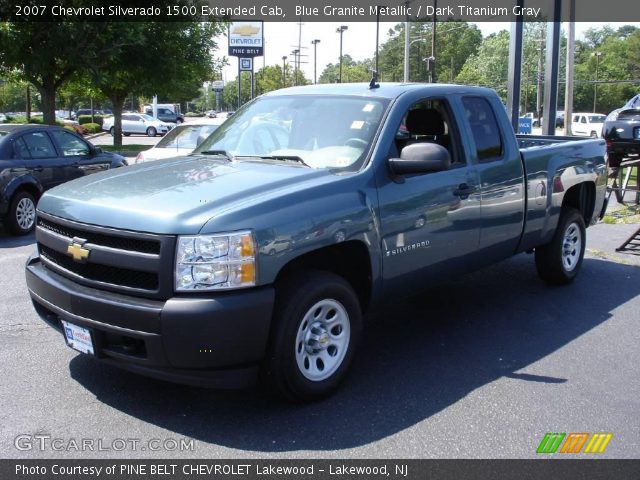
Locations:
614 160
179 121
112 131
21 218
557 263
594 134
296 298
126 134
151 132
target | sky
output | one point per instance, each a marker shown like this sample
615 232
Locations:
359 41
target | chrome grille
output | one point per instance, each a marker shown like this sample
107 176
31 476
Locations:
123 261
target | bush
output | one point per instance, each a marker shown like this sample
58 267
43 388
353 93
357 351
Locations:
17 119
83 119
92 127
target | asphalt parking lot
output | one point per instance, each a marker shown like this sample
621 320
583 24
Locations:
479 368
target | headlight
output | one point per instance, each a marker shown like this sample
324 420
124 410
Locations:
215 262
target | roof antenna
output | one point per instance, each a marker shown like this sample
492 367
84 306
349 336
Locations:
374 80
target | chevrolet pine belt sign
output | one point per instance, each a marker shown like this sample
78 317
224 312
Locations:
246 39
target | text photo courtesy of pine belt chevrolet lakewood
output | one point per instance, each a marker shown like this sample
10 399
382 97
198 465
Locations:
170 268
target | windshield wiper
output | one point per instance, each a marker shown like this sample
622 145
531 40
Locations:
286 158
220 153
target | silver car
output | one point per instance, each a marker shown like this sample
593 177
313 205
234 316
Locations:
139 123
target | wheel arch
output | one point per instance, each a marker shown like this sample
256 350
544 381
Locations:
583 198
349 260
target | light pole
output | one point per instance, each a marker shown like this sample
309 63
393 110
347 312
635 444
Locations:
296 60
341 30
595 83
284 71
315 58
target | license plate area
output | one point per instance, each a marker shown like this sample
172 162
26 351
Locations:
78 338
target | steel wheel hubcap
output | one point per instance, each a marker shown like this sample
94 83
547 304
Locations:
25 213
322 340
571 247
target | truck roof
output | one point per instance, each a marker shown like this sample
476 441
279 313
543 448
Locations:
385 90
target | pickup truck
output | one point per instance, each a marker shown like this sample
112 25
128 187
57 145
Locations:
257 256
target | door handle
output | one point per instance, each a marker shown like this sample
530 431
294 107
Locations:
464 190
37 168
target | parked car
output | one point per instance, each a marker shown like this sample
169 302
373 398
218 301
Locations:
166 115
587 124
35 158
138 123
621 130
181 140
3 118
146 268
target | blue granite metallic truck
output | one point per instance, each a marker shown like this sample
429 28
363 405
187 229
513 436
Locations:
257 256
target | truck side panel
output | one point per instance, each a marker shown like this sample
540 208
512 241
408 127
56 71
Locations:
552 170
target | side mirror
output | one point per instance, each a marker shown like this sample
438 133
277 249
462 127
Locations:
97 150
420 158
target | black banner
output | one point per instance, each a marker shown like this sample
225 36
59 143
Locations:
319 469
315 10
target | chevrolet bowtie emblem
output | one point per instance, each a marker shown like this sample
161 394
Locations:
76 250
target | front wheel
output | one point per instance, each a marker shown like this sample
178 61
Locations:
151 132
317 326
559 262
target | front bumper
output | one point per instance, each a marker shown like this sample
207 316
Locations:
215 340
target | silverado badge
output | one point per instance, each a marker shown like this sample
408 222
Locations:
76 250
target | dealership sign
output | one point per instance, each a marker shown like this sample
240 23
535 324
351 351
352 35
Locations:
246 39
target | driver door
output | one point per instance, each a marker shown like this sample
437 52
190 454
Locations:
430 223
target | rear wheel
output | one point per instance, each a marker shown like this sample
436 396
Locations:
559 262
112 131
594 134
21 217
151 132
316 328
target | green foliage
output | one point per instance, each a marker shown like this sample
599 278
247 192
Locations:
619 59
488 67
352 71
83 119
455 42
93 127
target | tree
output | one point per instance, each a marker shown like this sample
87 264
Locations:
455 42
44 54
488 67
176 66
352 71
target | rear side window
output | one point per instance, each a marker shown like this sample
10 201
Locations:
39 145
484 127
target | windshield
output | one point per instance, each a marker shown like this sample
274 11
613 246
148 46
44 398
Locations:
186 136
596 118
324 131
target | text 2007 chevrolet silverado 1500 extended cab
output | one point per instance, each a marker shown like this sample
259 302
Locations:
257 255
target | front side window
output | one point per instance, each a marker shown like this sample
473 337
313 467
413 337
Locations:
39 145
484 128
70 144
321 131
20 149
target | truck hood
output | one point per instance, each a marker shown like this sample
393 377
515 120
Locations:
174 196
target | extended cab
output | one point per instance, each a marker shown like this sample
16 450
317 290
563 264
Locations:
258 254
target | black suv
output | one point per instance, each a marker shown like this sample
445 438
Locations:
621 130
166 115
34 158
